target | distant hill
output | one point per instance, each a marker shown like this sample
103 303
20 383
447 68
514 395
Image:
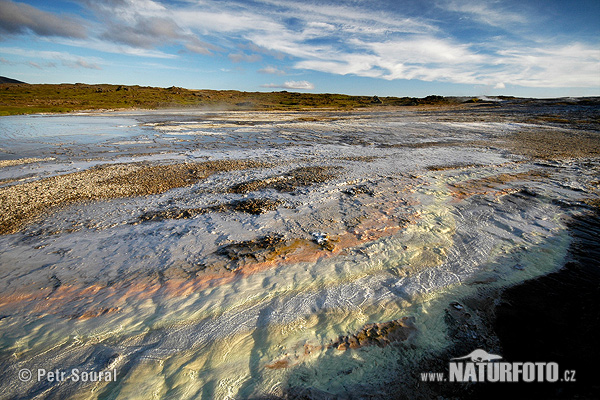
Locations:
33 98
4 79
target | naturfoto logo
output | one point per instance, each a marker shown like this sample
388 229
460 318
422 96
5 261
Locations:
479 356
481 366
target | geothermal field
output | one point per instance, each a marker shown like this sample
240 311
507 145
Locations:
324 254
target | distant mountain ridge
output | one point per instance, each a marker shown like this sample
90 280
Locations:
4 79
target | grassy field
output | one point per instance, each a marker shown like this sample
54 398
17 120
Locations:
31 99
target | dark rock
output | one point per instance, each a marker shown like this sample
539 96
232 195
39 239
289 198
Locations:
255 206
360 189
250 206
299 177
378 334
263 249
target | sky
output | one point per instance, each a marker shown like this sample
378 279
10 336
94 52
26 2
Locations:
525 48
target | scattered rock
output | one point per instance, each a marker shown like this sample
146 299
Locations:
299 177
469 325
358 158
453 166
250 206
379 334
25 202
360 189
254 206
263 249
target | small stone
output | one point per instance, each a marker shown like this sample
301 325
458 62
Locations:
320 237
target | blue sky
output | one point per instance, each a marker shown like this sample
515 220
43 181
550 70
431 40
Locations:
387 47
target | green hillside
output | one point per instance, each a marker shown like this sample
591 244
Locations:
30 99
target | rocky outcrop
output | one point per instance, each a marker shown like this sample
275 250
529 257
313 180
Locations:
261 250
299 177
378 334
253 206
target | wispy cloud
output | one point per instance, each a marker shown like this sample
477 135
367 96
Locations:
239 57
85 64
485 12
574 65
66 59
302 85
110 47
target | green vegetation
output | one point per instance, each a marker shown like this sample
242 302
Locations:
31 99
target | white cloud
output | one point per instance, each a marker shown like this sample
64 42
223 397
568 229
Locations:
303 85
207 21
345 38
271 70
